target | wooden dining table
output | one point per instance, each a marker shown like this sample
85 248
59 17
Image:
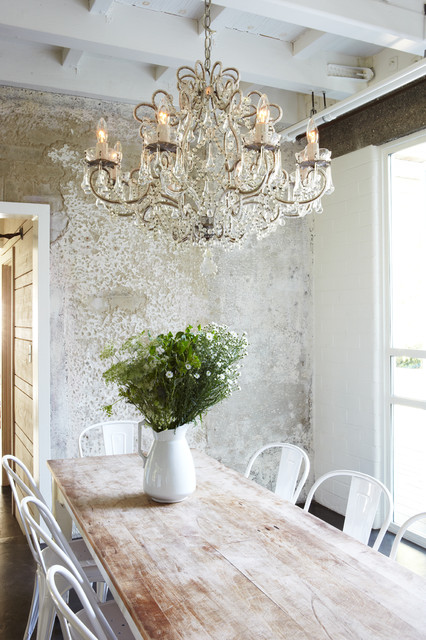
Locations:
233 561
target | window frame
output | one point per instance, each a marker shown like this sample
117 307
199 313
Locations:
389 399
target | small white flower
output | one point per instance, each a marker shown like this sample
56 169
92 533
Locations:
160 350
221 376
209 336
169 374
188 366
208 373
196 376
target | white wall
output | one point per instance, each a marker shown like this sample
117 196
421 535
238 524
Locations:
347 324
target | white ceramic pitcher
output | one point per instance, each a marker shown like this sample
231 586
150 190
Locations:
169 474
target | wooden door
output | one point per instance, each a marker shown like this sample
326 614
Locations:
7 401
17 368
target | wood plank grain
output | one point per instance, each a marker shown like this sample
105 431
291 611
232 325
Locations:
24 412
23 453
24 386
23 368
24 306
24 254
24 280
24 441
233 561
24 333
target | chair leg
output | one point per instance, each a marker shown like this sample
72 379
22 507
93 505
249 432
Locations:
47 611
33 615
102 591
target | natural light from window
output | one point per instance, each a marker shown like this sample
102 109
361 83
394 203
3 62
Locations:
408 331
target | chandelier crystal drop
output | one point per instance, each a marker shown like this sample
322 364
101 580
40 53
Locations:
210 169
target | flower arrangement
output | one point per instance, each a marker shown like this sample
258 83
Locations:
175 379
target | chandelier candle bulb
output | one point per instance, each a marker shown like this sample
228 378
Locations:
163 127
312 137
102 144
262 120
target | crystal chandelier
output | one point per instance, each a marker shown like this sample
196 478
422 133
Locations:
210 169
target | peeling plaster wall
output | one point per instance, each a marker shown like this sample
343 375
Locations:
108 281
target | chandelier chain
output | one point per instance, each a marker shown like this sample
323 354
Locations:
207 34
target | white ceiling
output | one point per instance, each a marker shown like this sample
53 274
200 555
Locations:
126 49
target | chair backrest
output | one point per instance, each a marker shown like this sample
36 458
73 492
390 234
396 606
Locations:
66 616
292 457
26 483
361 508
118 436
59 552
33 509
402 530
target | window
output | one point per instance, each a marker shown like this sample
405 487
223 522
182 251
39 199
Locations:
406 356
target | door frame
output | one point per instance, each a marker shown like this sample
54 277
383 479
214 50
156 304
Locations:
40 215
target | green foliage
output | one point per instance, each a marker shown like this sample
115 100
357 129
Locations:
174 379
408 363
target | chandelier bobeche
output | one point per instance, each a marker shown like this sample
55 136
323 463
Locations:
210 170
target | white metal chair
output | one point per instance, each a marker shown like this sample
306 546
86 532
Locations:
72 624
118 436
292 457
27 485
361 508
402 530
108 614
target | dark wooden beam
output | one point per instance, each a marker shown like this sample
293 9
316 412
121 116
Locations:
390 117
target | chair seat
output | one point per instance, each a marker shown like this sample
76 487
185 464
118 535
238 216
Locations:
82 554
114 617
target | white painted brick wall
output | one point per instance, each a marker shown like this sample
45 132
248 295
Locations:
347 311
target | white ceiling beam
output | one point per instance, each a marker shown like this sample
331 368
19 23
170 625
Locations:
246 87
310 43
133 34
102 7
71 58
159 71
36 67
380 23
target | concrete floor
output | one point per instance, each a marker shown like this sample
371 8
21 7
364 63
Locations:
17 568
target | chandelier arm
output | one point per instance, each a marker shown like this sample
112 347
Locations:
263 217
228 105
301 202
141 104
228 168
98 195
164 93
169 202
193 73
176 191
255 191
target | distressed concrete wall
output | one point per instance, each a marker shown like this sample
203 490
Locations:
108 281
